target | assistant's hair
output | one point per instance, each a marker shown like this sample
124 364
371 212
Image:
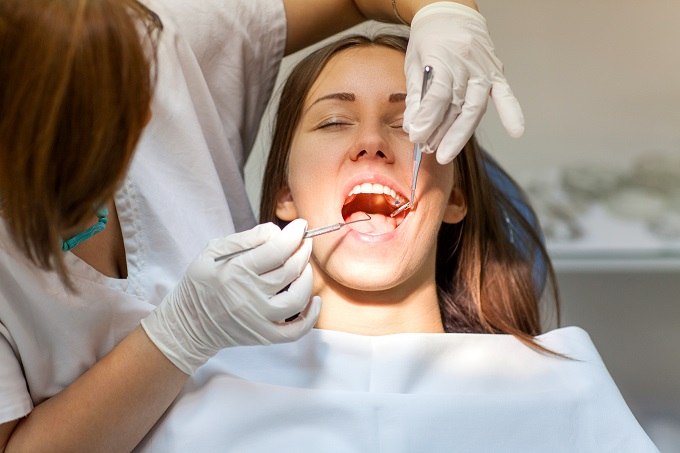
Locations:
76 84
486 264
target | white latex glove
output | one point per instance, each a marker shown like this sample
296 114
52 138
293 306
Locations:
454 40
238 302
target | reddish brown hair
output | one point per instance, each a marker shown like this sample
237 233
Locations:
486 271
76 89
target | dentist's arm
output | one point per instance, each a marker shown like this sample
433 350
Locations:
115 403
450 36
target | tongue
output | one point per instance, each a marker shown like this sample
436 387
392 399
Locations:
379 224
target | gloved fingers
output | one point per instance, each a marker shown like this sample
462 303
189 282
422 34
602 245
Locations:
254 237
431 111
442 102
433 142
275 280
295 329
277 250
413 67
509 110
292 300
464 126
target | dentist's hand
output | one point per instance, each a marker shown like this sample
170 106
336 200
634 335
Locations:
454 40
238 302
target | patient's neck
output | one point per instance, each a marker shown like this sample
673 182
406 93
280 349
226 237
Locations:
380 313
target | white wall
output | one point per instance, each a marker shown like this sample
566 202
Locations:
596 79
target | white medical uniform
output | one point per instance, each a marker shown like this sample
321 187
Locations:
335 392
217 64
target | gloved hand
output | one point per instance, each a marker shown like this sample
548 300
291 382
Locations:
237 302
454 40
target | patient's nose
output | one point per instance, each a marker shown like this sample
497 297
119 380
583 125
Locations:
371 145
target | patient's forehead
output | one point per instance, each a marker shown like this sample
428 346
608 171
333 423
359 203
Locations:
359 69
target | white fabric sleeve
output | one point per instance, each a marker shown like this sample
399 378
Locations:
15 401
239 45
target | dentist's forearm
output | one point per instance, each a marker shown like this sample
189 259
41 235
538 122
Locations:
309 21
110 407
382 9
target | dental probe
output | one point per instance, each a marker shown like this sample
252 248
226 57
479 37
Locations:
417 152
308 234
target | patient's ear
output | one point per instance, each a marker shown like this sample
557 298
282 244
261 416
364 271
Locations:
456 208
285 206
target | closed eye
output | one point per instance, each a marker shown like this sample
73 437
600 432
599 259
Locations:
397 124
395 121
332 124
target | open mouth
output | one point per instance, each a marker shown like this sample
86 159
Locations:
377 200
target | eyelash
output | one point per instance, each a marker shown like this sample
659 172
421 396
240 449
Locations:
336 123
332 124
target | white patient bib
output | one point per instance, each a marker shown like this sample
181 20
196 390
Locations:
338 392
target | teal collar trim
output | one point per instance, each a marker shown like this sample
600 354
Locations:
103 215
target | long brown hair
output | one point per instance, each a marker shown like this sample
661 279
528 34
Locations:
491 266
77 81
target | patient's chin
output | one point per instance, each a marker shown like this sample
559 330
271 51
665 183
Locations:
369 276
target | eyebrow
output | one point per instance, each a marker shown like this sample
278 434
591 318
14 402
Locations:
350 97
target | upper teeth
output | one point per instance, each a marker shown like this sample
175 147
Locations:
368 187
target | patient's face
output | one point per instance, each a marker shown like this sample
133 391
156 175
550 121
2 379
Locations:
350 156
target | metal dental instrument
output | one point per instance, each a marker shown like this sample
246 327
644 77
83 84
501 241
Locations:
417 153
330 228
308 234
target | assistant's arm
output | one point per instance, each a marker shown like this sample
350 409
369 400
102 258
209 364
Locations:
312 21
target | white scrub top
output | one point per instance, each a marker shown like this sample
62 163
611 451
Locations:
217 65
335 392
